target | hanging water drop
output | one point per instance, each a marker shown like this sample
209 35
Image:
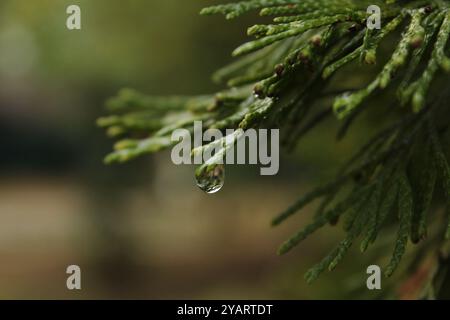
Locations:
210 178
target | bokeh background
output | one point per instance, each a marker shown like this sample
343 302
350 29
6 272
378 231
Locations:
141 230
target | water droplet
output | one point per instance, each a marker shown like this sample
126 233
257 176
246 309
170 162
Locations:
210 178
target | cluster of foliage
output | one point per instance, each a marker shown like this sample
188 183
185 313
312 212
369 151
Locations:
400 178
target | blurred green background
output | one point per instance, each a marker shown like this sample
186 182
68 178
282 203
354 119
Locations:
141 230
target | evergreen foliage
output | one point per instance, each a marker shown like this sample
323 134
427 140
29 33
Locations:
400 177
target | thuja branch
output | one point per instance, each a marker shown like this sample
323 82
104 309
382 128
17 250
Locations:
277 82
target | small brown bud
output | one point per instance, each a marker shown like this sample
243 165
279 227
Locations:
279 70
259 92
316 40
428 9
